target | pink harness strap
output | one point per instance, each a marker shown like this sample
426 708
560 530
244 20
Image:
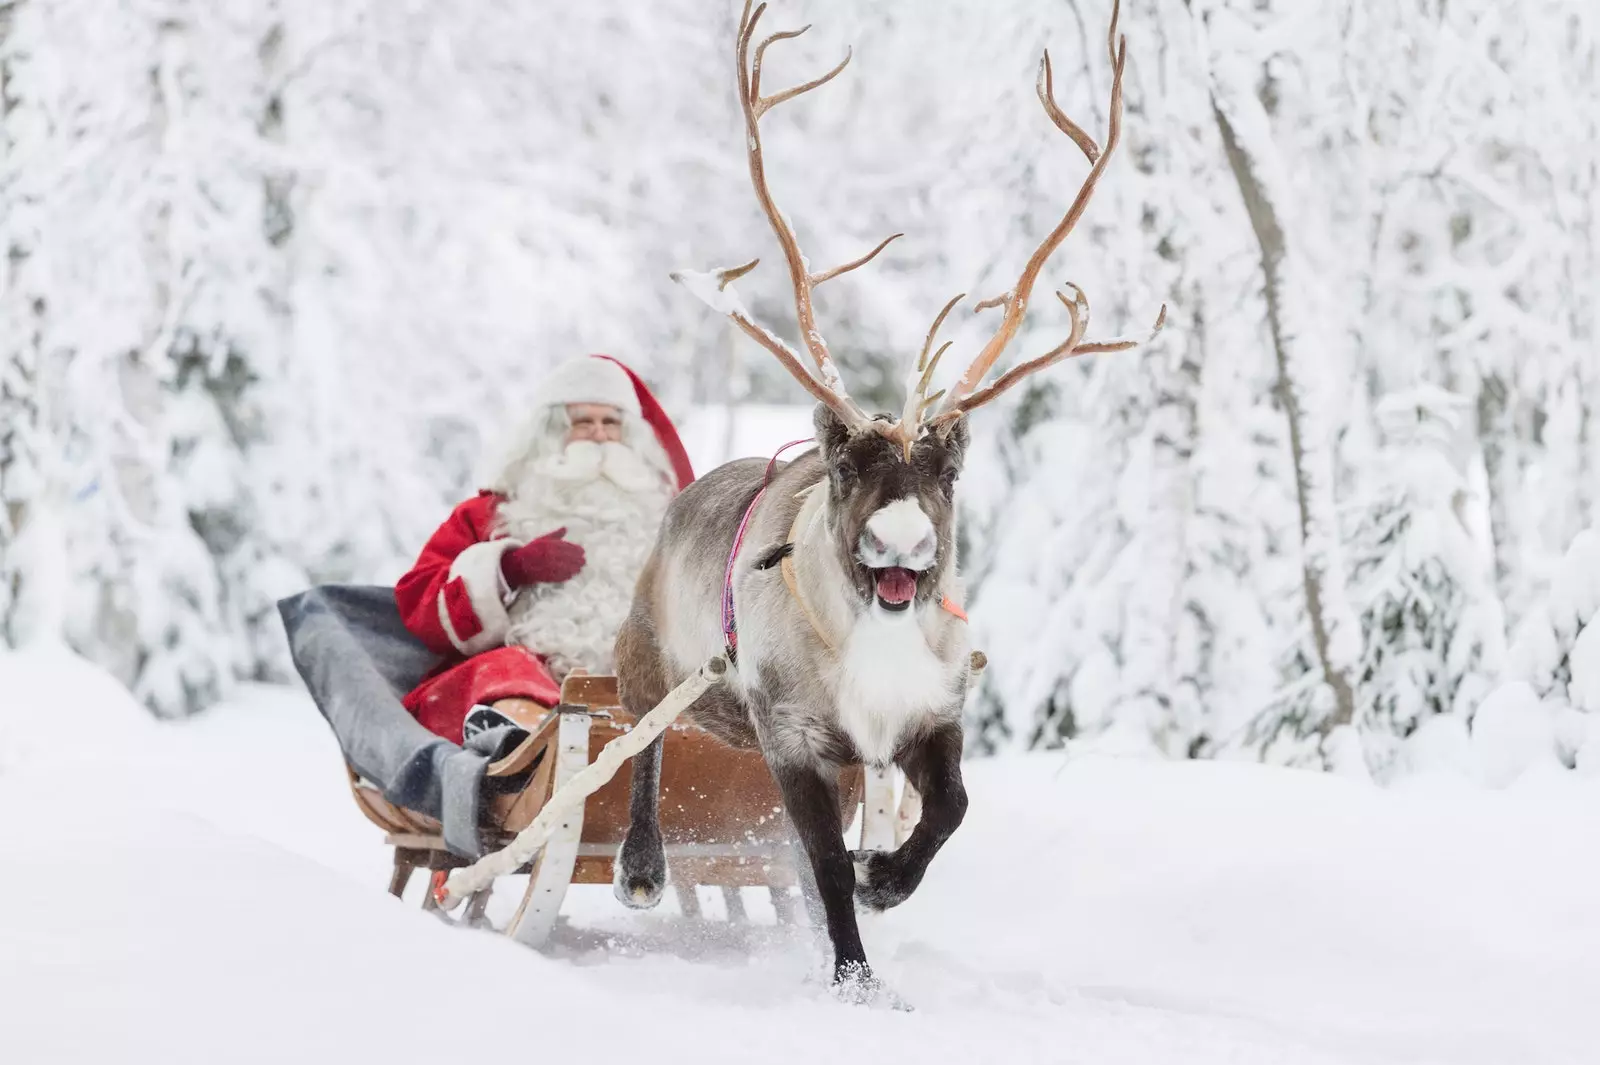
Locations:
730 631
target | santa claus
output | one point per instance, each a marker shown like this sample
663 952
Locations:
531 578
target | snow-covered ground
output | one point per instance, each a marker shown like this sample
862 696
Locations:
207 892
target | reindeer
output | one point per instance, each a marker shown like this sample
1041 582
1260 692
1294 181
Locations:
833 585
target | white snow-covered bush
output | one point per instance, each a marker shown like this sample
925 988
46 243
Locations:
1550 708
1513 731
1432 630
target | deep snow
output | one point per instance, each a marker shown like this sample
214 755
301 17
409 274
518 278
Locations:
207 892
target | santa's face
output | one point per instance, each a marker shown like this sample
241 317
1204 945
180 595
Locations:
595 422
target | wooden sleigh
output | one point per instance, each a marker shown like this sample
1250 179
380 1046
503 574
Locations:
722 817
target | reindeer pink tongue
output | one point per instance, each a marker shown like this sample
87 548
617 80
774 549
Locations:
897 585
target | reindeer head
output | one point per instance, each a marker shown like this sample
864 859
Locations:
891 481
891 515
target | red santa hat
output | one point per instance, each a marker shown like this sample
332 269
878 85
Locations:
603 379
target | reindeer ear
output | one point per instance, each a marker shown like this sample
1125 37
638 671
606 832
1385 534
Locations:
832 433
952 451
955 437
833 439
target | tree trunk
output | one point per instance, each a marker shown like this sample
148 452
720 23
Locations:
1497 439
1312 496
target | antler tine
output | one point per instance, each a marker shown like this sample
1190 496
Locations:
767 103
933 364
921 374
1112 37
1096 347
829 275
729 274
747 29
761 51
963 395
1046 88
933 331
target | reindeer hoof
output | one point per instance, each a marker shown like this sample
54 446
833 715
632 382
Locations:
640 876
855 984
640 894
881 881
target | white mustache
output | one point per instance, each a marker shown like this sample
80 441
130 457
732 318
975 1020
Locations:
586 460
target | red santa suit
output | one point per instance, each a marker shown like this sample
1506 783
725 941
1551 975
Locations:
499 643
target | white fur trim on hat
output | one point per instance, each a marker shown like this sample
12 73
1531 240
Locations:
591 380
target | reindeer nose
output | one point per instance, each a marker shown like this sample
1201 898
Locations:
899 535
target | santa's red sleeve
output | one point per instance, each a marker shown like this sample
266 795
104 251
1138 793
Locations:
454 598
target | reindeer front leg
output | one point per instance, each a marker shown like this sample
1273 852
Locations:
641 866
811 797
932 765
639 877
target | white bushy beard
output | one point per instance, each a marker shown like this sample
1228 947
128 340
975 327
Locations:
610 500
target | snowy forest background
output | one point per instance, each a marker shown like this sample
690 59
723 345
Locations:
276 271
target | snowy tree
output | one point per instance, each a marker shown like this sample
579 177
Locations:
21 305
229 352
107 271
1555 646
1433 634
1478 197
1547 711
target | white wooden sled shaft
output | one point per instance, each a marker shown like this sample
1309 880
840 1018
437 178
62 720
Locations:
570 797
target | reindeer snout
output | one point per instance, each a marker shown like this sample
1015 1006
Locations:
899 535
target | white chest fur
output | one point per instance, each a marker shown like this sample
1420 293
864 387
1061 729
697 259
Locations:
888 679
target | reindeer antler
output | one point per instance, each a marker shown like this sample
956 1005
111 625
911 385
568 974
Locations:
830 388
964 395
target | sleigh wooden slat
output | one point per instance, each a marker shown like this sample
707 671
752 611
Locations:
722 817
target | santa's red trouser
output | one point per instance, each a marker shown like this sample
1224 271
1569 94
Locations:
441 701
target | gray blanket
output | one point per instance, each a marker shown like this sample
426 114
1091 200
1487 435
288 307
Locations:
358 660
